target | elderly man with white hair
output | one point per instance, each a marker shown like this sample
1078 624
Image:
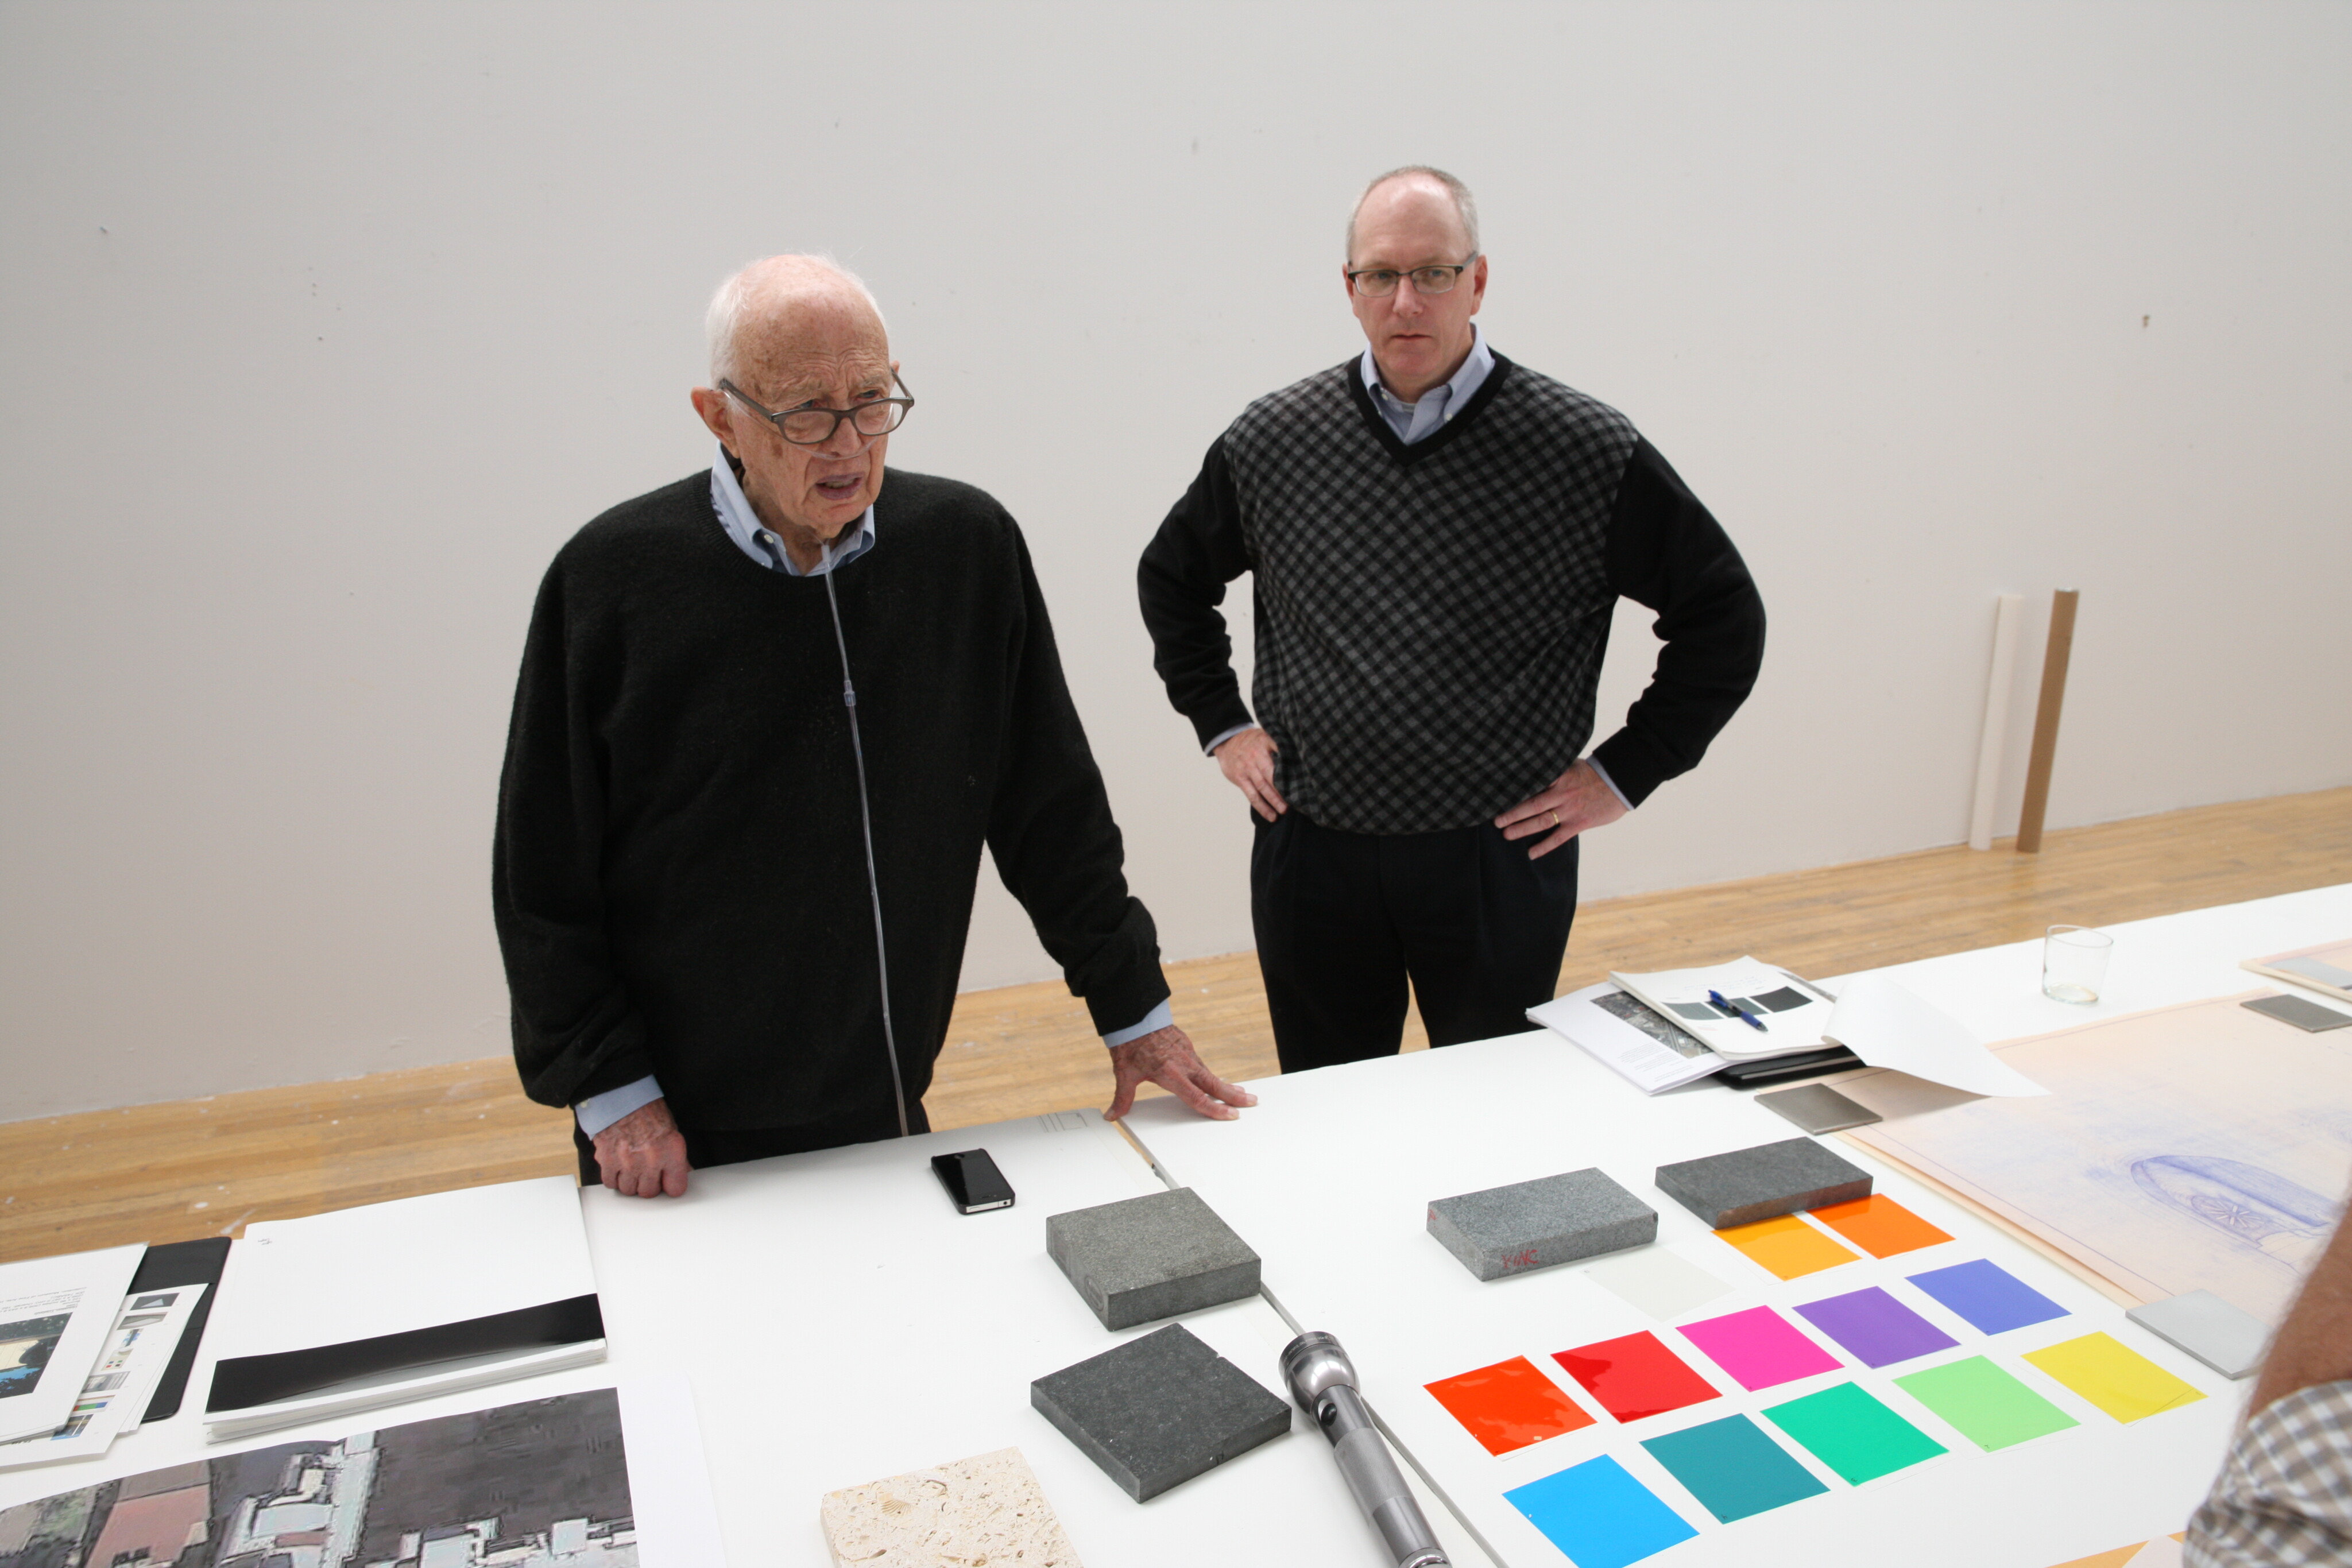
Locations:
708 860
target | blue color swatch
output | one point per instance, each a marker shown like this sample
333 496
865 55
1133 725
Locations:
1598 1516
1733 1468
1991 1298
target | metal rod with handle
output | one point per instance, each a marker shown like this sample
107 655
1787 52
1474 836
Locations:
1323 1381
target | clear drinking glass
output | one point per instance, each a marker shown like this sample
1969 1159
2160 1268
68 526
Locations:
2074 963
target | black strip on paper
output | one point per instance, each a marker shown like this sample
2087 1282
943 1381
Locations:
197 1262
241 1382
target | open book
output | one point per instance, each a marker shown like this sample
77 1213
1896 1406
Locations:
1743 1011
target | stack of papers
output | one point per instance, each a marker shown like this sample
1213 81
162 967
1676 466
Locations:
114 1395
1742 1011
394 1301
1632 1033
57 1315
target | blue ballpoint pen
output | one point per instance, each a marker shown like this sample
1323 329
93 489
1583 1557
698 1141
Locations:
1750 1020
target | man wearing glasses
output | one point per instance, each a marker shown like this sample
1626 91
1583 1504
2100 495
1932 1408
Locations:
681 875
1437 537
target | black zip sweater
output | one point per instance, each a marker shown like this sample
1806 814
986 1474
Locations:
678 878
1431 619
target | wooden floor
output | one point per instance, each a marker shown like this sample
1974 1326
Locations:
201 1168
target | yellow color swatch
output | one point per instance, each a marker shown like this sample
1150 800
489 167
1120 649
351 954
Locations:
2118 1380
1787 1246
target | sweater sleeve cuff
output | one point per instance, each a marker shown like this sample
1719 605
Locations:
599 1112
1602 773
1152 1022
1632 764
1222 721
1208 747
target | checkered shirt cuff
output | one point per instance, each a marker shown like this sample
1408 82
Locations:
2285 1495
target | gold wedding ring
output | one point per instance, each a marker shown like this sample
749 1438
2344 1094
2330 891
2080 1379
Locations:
1555 819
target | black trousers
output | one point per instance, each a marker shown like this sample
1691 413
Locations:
1345 919
726 1148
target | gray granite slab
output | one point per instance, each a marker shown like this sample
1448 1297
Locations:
1749 1185
1537 1224
1159 1410
2224 1338
1146 1258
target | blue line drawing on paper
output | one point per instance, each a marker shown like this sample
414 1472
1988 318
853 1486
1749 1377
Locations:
2254 1207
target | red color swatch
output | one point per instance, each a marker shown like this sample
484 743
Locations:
1636 1376
1509 1405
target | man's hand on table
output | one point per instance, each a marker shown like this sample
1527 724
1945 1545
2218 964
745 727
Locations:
642 1155
1166 1057
1579 798
1247 761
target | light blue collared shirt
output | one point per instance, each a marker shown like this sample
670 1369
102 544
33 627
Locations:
754 538
1416 421
751 537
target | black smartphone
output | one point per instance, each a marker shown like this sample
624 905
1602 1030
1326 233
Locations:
972 1181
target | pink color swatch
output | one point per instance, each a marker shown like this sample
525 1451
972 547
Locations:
1758 1347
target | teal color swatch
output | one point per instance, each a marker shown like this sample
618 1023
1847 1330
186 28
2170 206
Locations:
1990 1407
1598 1516
1733 1468
1853 1434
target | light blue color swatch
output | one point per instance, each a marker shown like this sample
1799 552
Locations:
1598 1516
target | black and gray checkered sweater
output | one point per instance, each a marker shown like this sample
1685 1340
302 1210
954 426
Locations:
1431 619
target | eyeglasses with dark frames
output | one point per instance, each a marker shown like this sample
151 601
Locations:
1380 282
815 427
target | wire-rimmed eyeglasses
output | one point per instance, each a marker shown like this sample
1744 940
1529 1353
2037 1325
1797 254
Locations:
1380 282
815 427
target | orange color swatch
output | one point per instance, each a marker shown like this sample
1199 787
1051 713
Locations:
1787 1245
1509 1405
1880 1225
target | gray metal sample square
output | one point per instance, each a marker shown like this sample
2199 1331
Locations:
1159 1410
1749 1185
1152 1257
1537 1224
2229 1341
1817 1108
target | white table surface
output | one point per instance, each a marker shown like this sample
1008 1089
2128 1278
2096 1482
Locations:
839 1321
1330 1176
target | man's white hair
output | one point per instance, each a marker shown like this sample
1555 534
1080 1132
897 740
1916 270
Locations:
723 323
1465 205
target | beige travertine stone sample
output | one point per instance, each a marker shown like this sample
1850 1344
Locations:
986 1512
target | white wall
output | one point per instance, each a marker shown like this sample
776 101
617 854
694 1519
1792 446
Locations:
321 326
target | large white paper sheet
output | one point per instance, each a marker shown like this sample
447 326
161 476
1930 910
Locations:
55 1316
413 1263
1889 1027
2193 1147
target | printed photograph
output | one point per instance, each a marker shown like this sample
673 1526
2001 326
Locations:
1635 1011
540 1484
25 1347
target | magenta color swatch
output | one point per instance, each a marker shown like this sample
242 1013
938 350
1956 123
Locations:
1758 1347
1875 1328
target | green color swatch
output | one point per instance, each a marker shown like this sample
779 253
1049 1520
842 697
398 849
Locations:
1990 1408
1853 1434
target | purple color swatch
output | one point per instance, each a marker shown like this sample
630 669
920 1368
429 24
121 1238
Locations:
1875 1328
1994 1300
1758 1347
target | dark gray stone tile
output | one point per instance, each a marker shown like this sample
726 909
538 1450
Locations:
1749 1185
1159 1410
1142 1258
1537 1224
